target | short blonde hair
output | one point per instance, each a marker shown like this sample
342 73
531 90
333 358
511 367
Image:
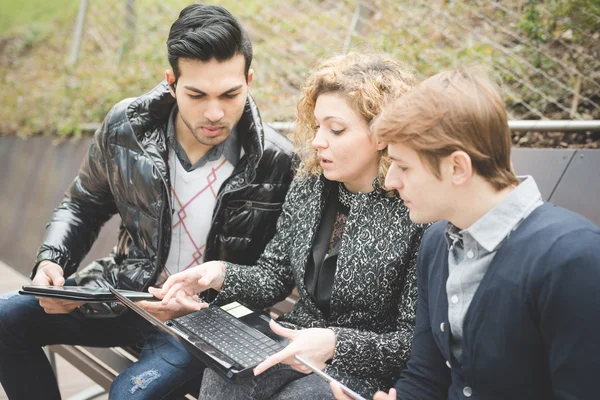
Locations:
456 110
367 81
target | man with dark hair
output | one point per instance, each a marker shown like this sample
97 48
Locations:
194 176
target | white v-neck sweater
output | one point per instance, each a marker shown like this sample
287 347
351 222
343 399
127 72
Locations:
194 199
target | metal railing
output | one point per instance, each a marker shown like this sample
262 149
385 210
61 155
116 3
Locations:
515 126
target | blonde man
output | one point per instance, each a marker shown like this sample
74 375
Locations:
508 285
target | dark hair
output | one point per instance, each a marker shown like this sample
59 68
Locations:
203 32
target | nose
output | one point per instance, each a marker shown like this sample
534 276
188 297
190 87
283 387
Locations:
392 181
319 141
214 112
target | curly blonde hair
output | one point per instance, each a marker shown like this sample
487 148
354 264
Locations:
368 81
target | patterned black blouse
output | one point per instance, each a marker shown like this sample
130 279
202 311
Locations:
373 299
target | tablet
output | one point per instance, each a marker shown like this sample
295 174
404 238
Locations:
82 293
349 392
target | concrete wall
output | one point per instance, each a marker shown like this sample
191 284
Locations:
34 175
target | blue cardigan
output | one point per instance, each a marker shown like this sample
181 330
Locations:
532 330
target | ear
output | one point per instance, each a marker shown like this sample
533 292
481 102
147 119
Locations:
170 77
250 76
461 167
379 145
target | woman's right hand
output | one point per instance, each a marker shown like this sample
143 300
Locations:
183 285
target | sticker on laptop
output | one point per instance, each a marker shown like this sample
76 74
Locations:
236 309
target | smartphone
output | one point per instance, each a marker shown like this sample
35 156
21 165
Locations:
351 393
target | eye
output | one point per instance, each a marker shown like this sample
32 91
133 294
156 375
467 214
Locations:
401 168
231 95
196 96
336 128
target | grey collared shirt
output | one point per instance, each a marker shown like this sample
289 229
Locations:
231 147
473 249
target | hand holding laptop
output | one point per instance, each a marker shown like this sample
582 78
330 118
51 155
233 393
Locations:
314 344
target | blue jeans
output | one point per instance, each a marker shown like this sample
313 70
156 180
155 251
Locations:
165 369
277 383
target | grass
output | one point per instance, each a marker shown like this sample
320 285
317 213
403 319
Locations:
38 14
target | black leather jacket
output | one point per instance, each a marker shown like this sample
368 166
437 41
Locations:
126 172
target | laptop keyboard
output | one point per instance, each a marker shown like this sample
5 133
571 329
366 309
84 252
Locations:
236 340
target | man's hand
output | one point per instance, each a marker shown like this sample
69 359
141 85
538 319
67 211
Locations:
183 285
51 274
172 309
314 344
339 394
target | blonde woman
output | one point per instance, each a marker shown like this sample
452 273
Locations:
342 240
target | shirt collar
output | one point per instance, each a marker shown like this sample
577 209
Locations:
491 229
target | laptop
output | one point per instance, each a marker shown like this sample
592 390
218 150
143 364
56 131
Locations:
231 339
